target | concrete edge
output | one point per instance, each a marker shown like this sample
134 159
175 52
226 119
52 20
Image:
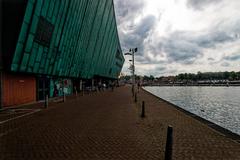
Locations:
225 132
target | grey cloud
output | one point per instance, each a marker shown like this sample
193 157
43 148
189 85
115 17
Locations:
146 60
201 4
211 39
161 68
182 47
186 47
136 37
156 49
232 57
211 59
225 64
146 25
182 51
127 10
179 47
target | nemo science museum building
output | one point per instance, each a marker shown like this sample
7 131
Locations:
63 45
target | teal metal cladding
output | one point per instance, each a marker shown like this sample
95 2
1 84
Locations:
69 38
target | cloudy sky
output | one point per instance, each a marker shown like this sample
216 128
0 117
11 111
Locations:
178 36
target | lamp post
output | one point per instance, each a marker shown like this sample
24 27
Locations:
132 67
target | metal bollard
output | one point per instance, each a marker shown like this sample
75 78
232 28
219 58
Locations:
133 92
169 143
135 99
64 97
46 102
143 109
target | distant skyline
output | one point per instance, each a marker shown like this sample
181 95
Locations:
178 36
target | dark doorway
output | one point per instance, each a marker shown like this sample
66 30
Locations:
43 87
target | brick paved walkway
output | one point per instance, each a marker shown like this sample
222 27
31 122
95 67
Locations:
107 126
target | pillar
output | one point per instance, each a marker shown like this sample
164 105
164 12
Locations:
80 86
92 84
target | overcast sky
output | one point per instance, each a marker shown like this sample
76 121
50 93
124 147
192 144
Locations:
178 36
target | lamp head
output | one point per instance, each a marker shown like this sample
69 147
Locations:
127 53
135 49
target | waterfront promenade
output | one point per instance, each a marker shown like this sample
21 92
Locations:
107 125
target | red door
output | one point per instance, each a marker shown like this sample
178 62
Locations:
18 89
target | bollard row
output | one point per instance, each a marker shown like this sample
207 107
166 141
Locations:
135 98
46 102
169 142
143 109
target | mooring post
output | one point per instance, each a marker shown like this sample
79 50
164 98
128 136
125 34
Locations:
75 90
143 109
133 91
169 143
64 98
135 99
83 90
46 101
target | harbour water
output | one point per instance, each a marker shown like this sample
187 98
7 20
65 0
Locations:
220 105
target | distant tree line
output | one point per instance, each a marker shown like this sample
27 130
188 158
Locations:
137 77
209 76
193 77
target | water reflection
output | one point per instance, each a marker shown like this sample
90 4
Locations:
220 105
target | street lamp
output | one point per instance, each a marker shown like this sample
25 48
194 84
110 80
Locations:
132 67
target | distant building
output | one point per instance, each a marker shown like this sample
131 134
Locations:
51 46
166 80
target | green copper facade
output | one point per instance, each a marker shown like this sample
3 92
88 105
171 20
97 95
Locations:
69 38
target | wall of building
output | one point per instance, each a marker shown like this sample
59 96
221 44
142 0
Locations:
55 40
18 89
68 38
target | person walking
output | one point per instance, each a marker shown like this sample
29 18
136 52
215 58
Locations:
138 87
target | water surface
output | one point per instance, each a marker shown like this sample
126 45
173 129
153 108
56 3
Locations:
220 105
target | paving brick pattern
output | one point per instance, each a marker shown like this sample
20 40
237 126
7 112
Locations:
107 126
192 139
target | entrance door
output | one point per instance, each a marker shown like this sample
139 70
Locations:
43 87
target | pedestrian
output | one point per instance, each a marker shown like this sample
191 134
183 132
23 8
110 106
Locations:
138 86
112 86
75 90
104 86
99 86
55 91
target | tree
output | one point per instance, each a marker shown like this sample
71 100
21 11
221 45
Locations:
151 77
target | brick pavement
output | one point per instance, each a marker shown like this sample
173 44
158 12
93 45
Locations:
107 126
